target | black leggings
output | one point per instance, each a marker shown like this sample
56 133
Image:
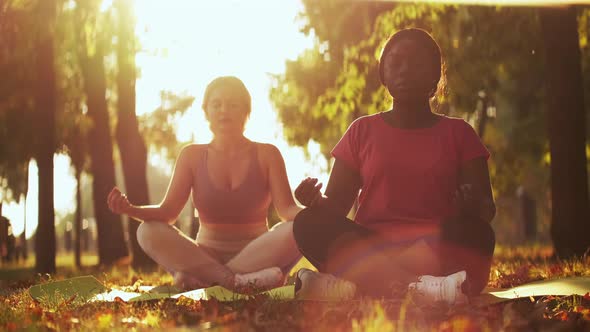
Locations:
328 240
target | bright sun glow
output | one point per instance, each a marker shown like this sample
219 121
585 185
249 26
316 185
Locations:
64 196
188 43
184 45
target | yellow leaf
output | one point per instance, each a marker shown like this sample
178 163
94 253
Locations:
151 320
104 320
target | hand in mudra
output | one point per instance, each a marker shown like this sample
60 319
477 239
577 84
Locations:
118 202
308 192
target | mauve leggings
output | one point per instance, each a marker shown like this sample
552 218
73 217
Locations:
323 237
176 252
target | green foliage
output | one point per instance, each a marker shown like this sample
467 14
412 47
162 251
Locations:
19 28
72 123
158 127
320 94
296 93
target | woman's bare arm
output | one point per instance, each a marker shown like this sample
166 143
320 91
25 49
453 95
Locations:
282 196
176 196
475 190
342 190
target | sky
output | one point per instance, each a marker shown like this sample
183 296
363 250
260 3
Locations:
184 45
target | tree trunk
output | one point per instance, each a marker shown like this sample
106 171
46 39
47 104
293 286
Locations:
78 219
45 104
131 145
111 240
25 247
483 115
3 235
570 223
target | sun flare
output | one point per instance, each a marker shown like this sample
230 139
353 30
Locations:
188 43
184 44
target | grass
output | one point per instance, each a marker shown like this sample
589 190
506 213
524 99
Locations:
512 266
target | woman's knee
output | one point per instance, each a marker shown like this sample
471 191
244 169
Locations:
304 221
484 238
282 227
488 237
471 234
284 232
147 234
476 265
468 245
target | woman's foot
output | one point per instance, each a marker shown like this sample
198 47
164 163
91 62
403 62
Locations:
446 289
185 282
259 280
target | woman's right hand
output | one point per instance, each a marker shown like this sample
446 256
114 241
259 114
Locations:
308 192
118 202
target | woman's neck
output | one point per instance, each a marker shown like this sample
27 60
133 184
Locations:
412 114
229 144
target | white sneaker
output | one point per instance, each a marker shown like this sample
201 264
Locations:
446 289
264 279
312 285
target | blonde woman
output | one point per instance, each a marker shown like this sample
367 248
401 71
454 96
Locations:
233 181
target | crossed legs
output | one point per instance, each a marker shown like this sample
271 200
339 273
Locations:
375 263
179 254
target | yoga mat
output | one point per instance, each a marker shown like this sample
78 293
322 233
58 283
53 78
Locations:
88 288
556 287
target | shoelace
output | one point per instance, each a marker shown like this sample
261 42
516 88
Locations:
436 284
334 286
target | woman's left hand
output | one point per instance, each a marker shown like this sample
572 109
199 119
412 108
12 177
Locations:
118 202
308 192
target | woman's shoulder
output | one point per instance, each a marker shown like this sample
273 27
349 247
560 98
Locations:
461 130
192 151
365 122
193 148
367 119
452 120
453 124
266 150
268 155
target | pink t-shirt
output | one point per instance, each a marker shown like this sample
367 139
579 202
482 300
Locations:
409 176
